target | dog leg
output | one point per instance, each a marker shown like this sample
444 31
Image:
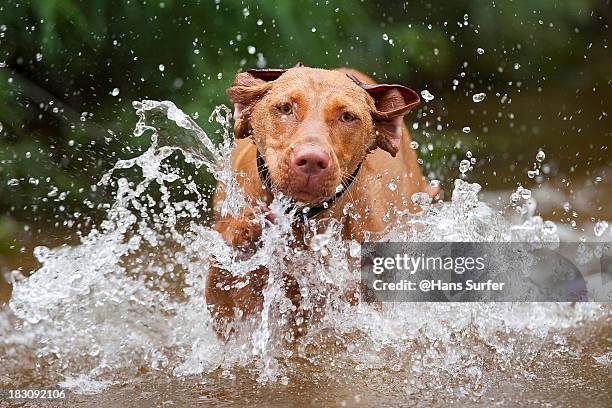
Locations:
229 297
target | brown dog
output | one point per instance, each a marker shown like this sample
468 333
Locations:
325 139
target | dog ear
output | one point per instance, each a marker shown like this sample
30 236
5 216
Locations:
244 93
270 74
391 103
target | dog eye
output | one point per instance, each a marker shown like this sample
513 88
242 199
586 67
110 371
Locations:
347 117
285 108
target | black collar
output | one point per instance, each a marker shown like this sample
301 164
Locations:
305 213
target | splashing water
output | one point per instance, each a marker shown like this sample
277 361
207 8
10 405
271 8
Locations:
128 300
427 95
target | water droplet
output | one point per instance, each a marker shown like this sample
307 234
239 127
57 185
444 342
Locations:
115 92
600 228
479 97
514 197
525 194
421 199
313 29
347 209
468 154
567 206
219 75
354 249
466 129
39 56
339 188
392 186
251 50
319 241
474 372
427 95
259 22
549 227
480 51
434 183
517 65
532 173
13 182
261 60
246 12
414 145
385 37
540 156
161 68
464 166
1 127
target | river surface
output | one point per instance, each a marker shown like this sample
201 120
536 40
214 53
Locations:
115 315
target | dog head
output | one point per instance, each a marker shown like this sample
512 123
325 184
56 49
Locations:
313 127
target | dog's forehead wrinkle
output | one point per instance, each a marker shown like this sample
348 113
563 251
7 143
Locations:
321 91
314 78
330 101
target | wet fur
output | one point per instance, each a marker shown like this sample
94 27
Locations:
374 140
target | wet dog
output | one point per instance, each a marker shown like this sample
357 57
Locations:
325 139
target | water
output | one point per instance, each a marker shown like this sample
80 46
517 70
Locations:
479 97
427 96
120 315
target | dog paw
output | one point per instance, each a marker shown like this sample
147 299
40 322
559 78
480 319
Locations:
244 230
433 190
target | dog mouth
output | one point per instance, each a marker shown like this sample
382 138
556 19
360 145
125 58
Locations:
304 191
305 197
309 192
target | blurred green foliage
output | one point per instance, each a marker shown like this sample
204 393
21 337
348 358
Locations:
61 60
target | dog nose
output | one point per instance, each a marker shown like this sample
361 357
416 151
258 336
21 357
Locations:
310 160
